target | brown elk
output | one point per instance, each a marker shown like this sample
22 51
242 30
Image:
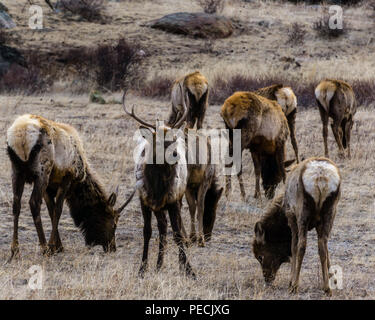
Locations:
160 187
336 100
310 199
50 156
190 91
202 191
264 131
286 98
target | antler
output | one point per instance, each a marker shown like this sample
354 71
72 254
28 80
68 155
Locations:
121 208
132 114
183 118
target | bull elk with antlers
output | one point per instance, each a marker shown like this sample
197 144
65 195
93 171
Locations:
160 186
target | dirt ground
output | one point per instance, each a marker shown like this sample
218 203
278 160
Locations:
226 268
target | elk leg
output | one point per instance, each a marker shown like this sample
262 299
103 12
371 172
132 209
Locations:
242 188
174 212
200 204
35 204
294 228
202 107
54 243
348 128
301 248
50 202
192 209
323 253
292 130
162 226
257 169
324 118
337 132
147 231
18 183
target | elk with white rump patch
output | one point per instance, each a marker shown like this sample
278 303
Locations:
189 93
312 192
336 100
286 98
50 155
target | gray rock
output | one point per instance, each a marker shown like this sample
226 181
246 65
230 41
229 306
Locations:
6 21
200 25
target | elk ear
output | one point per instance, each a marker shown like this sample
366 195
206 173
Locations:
259 232
288 163
112 199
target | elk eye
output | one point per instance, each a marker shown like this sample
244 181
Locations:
174 154
260 259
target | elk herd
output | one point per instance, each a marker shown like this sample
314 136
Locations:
50 156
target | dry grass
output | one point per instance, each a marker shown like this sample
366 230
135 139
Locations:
226 268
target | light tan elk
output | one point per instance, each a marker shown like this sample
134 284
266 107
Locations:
312 192
190 91
264 131
288 102
336 100
160 187
202 192
50 156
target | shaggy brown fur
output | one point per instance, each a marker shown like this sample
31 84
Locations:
336 100
311 195
50 156
192 91
272 244
288 102
264 131
161 188
202 194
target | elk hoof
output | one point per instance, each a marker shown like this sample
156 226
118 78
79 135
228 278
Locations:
201 242
190 273
15 253
53 249
328 292
193 238
293 289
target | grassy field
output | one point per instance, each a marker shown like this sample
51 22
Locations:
225 268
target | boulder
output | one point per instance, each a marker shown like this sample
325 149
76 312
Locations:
200 25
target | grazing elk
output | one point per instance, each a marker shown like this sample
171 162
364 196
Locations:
264 131
336 99
288 102
312 192
50 156
160 187
191 91
202 192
